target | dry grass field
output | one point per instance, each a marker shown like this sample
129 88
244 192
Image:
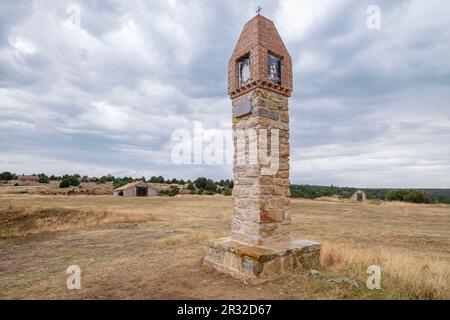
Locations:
52 188
151 248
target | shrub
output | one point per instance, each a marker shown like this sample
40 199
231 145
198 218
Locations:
73 181
64 183
396 195
43 178
191 187
227 192
171 193
416 197
174 191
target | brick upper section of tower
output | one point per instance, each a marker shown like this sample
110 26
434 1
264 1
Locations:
258 40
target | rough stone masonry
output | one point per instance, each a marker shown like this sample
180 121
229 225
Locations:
259 83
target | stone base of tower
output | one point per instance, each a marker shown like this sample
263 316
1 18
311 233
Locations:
258 264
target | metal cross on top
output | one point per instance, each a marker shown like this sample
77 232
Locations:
258 10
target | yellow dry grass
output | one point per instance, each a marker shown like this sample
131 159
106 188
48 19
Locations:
21 220
402 275
52 188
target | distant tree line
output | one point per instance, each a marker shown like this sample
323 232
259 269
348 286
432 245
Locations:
8 176
406 195
200 185
314 192
207 186
413 196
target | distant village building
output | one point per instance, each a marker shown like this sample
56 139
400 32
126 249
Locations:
24 178
135 189
359 195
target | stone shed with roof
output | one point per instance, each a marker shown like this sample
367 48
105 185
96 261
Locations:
135 189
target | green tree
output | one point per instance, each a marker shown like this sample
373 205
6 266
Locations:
210 186
159 179
73 181
200 183
6 175
228 184
43 178
64 183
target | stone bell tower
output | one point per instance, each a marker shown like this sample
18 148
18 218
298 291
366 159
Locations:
259 84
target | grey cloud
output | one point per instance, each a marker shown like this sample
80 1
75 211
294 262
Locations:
370 108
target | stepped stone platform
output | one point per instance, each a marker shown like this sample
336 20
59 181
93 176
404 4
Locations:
257 264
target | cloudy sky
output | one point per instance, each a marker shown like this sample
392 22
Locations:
98 87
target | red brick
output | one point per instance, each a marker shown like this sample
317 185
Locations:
259 38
